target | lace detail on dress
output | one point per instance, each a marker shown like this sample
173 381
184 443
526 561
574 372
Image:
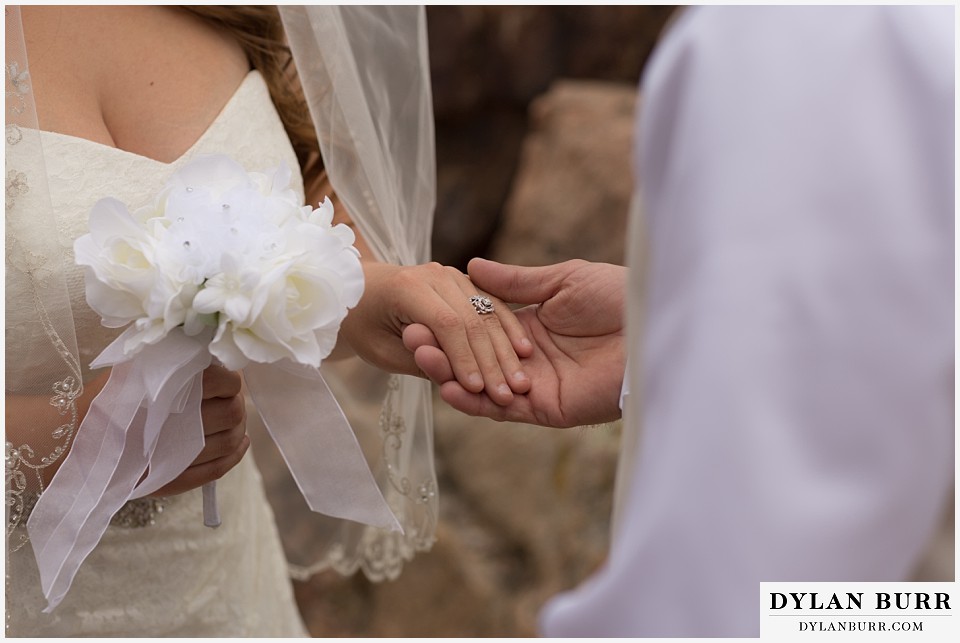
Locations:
16 185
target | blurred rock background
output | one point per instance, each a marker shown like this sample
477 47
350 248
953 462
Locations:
514 85
534 113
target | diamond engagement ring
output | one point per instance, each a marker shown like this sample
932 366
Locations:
483 305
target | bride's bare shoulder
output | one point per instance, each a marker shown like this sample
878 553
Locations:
147 79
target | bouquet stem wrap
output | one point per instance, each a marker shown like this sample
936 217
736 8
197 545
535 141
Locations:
211 510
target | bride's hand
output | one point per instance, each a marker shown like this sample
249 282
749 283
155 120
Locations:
483 349
224 418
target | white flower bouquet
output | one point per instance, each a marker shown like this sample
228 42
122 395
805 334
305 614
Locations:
227 265
225 249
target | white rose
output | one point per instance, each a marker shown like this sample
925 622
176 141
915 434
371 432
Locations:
118 255
295 309
126 281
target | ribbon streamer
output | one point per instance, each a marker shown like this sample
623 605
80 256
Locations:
317 443
146 420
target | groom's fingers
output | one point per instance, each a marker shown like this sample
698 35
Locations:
480 404
519 284
476 404
434 364
417 335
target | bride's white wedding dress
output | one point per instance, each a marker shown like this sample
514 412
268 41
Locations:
157 571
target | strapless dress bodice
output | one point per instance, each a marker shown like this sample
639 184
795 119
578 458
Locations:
81 172
167 574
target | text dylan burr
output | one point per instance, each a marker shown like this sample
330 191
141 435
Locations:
855 601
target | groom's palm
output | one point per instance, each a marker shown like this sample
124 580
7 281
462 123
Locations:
575 377
577 365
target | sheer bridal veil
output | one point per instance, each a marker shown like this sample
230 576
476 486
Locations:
366 78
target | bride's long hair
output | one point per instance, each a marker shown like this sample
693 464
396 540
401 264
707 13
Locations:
259 31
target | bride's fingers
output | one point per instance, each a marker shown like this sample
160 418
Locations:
223 414
464 337
452 335
505 347
198 475
219 381
221 444
517 335
479 350
508 320
482 331
504 334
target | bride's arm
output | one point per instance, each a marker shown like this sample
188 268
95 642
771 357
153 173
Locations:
483 349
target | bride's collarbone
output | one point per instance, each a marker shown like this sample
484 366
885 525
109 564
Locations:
151 84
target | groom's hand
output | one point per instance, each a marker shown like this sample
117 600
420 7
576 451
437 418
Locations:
576 324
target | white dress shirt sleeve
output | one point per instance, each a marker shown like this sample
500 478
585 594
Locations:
797 170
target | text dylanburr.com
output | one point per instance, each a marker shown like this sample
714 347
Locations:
862 611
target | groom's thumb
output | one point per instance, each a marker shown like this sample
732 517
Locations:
517 284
